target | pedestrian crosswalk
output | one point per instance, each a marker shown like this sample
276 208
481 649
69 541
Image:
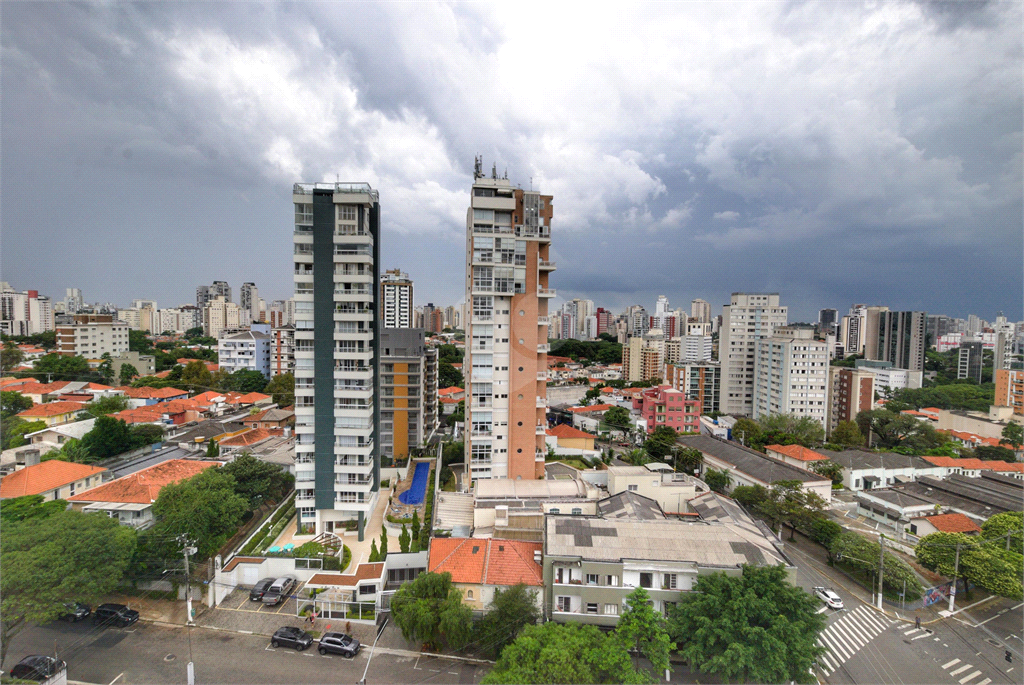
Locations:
968 672
849 635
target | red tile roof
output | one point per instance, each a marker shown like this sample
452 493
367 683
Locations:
450 390
43 477
486 561
36 388
142 487
953 523
975 464
564 430
52 409
139 415
249 437
249 398
209 397
448 400
147 393
797 452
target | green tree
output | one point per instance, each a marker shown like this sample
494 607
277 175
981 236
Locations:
800 430
196 332
29 507
59 367
212 450
985 564
10 357
72 450
450 354
430 609
717 480
829 469
257 481
847 434
49 560
383 544
282 389
1013 435
564 653
753 628
138 341
824 531
687 459
197 377
374 554
618 417
999 525
415 525
861 555
128 373
110 404
993 453
510 611
146 434
404 540
106 368
789 504
108 437
14 431
747 432
12 403
895 430
448 376
660 443
246 381
204 507
645 630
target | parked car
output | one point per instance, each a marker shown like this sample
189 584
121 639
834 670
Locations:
829 597
339 643
114 614
75 612
279 590
37 667
260 589
291 637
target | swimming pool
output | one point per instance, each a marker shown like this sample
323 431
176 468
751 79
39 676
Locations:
414 495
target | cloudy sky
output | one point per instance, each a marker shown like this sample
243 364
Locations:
833 152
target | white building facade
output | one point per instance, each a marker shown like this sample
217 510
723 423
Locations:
748 318
791 374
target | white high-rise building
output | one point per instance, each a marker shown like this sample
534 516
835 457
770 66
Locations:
791 374
74 301
337 460
396 296
748 318
508 239
700 310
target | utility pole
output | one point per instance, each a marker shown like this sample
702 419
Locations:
881 566
956 568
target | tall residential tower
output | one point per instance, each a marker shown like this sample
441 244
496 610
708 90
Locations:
396 299
508 238
748 318
337 249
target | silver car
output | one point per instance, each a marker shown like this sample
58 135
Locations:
279 590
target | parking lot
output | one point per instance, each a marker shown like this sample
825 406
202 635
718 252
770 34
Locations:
239 600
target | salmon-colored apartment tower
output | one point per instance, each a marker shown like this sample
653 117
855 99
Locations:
508 238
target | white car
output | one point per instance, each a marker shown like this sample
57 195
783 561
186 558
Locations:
829 597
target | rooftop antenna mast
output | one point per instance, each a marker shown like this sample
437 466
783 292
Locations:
494 171
478 164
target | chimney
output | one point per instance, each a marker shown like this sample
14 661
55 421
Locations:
31 457
537 557
287 431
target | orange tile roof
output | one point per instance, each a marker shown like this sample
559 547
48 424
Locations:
797 452
52 409
450 390
591 408
208 397
608 389
37 388
933 410
953 523
249 437
10 383
43 477
97 386
976 464
142 487
486 561
564 430
164 393
249 398
139 415
448 400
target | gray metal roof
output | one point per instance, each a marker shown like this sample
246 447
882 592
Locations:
860 460
896 497
628 504
748 461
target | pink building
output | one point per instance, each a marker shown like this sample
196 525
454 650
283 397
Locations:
665 406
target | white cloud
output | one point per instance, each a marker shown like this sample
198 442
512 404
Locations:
727 215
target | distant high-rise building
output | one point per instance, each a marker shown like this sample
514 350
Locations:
221 289
970 359
637 321
701 381
939 326
92 336
828 320
282 350
974 323
337 458
508 266
408 383
1002 353
850 391
700 310
218 315
249 303
747 319
396 299
643 358
900 339
605 322
791 374
73 302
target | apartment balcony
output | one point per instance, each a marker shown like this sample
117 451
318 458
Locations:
543 321
545 292
543 348
543 376
540 455
541 429
545 265
542 232
488 230
542 403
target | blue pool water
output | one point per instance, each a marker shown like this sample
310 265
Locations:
414 495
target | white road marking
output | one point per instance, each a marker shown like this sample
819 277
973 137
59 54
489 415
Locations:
837 648
919 637
960 670
986 681
117 678
850 636
970 677
954 662
912 631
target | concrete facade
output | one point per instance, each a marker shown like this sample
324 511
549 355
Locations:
748 318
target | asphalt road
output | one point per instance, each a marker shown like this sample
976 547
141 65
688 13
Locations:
147 653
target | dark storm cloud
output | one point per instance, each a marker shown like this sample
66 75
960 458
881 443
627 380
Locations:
831 152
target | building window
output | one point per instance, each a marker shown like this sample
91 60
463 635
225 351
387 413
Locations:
913 529
670 581
367 589
592 579
469 594
562 603
633 487
577 511
646 580
611 609
591 607
611 580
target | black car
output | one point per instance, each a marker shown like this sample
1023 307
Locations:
114 614
279 590
37 668
292 637
75 612
339 643
260 589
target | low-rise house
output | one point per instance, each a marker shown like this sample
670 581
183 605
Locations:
942 523
749 467
973 468
54 413
62 433
271 418
867 470
892 508
53 479
588 418
795 455
977 498
453 392
658 482
144 414
514 509
665 406
130 498
248 441
41 392
569 438
480 567
351 596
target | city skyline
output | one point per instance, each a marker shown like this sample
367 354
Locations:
833 154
